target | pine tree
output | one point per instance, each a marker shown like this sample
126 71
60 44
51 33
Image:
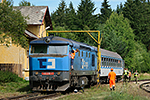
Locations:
138 12
86 20
105 11
59 16
119 8
85 17
25 3
71 20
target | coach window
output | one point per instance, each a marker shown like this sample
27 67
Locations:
102 59
120 63
113 62
105 62
109 61
93 60
117 62
89 55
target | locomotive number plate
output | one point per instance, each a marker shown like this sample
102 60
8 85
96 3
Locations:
47 73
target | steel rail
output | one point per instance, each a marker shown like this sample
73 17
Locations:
146 89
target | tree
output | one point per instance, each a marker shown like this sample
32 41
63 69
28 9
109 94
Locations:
119 8
25 3
59 16
118 37
86 20
142 58
12 25
138 12
105 11
85 17
71 20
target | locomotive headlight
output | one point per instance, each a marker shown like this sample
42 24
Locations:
36 73
47 40
58 73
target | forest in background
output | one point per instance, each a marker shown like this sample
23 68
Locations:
125 30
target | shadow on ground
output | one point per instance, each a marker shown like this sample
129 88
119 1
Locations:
25 89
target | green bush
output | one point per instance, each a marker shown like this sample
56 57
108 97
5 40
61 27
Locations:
7 76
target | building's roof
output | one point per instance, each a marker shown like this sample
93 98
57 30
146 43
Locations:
35 14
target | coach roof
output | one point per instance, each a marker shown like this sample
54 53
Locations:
110 54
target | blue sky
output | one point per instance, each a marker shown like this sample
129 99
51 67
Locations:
53 4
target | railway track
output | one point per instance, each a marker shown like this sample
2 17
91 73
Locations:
135 81
32 96
145 86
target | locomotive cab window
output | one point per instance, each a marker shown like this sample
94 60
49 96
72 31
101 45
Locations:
58 49
39 49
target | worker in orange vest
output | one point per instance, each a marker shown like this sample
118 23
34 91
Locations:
112 78
73 56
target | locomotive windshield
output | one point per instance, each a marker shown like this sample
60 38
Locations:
61 49
39 49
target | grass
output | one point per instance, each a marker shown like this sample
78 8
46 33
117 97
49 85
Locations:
14 88
144 76
128 92
141 76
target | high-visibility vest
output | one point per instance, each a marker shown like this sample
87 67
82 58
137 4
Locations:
129 73
125 72
136 74
72 55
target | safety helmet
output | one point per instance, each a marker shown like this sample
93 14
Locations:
111 69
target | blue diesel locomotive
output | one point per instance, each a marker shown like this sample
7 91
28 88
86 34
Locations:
50 64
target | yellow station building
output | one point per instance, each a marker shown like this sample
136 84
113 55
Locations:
15 58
